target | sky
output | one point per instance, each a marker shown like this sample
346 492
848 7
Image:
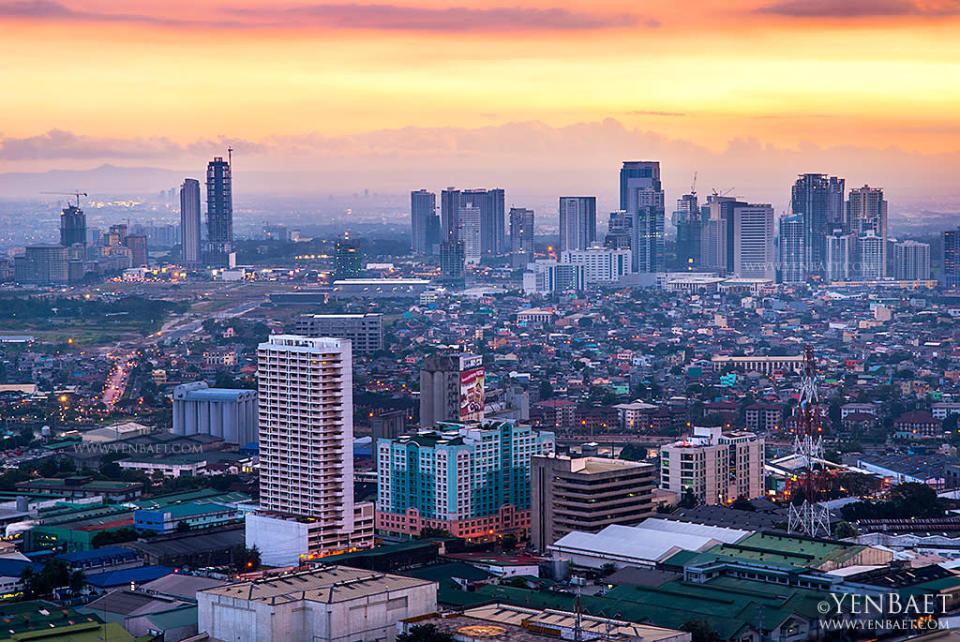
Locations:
744 92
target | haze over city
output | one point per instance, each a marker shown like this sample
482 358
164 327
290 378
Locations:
443 321
321 97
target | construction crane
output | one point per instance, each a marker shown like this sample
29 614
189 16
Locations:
76 193
719 193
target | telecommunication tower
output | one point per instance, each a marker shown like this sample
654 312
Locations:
810 518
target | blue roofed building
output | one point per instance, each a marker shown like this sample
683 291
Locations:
187 516
129 576
98 560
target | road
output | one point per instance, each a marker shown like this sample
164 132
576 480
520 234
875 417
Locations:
178 328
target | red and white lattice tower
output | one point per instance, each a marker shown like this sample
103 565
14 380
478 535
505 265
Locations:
810 518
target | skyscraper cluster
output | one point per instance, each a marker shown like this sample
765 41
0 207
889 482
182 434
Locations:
471 226
828 234
842 238
217 249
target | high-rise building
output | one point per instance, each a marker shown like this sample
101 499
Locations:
686 218
619 231
471 480
452 260
348 261
578 222
586 494
471 233
867 211
870 252
492 214
489 206
73 226
137 243
425 226
547 276
42 264
753 242
219 246
365 331
451 388
641 196
792 255
838 257
190 221
449 221
713 242
951 258
721 243
306 451
221 412
600 264
818 199
521 236
912 261
716 467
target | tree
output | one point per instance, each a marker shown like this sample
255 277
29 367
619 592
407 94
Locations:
843 530
742 503
509 542
425 633
700 631
54 574
246 559
77 578
689 500
546 390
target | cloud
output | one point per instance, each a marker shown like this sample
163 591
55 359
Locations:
528 159
49 10
347 16
860 8
649 112
59 144
391 17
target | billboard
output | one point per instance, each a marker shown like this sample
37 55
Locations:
471 394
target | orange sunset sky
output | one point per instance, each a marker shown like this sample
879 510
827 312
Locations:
297 84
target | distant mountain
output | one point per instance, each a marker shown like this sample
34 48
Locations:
105 179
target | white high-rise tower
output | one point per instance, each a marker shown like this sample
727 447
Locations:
306 452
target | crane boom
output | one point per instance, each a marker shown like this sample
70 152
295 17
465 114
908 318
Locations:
76 193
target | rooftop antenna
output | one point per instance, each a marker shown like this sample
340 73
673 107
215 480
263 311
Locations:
693 186
230 157
76 193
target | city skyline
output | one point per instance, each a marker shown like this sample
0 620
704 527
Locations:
800 82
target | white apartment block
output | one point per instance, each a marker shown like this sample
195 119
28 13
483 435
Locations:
753 235
717 467
306 441
600 264
470 234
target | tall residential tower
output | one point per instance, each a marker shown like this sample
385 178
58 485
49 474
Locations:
424 224
190 221
306 452
641 197
219 246
578 222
